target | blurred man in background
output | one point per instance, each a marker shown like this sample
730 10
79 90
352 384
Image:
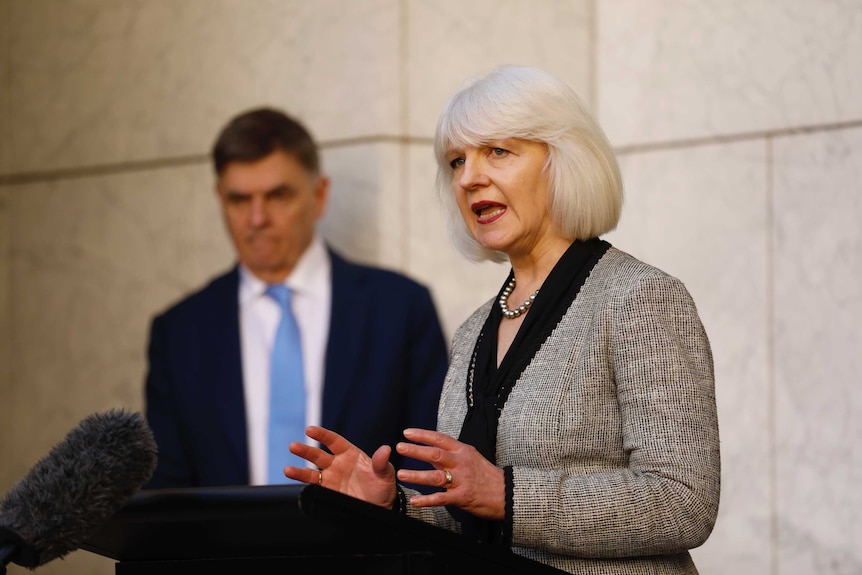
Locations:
292 335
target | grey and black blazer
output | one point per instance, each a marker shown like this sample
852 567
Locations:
611 430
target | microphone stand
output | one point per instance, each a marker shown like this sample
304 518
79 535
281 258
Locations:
6 553
11 545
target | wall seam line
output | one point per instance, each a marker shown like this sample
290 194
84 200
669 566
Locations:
404 128
772 433
198 159
736 137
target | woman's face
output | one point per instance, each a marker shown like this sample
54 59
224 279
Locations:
502 192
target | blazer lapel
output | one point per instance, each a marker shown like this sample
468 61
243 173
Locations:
227 375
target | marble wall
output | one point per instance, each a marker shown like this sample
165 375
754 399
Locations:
739 127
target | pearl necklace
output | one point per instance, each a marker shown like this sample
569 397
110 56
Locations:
504 301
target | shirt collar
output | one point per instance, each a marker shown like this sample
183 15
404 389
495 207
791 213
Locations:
306 278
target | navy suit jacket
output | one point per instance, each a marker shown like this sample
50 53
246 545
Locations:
386 359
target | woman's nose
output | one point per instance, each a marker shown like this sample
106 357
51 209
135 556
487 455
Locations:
473 174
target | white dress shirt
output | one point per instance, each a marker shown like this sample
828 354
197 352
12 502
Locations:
259 314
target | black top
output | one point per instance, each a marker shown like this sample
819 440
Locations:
488 386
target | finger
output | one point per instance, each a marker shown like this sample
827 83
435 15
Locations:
304 474
310 453
435 478
431 437
380 460
433 455
334 442
438 499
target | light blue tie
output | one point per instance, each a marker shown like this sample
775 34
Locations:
286 392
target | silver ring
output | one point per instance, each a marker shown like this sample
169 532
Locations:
320 477
448 479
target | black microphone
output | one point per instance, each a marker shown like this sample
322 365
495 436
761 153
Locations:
80 484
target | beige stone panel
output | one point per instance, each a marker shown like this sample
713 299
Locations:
451 40
818 313
91 260
701 214
382 211
364 220
99 82
5 83
458 285
689 69
6 430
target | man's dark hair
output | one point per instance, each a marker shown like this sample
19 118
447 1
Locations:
257 133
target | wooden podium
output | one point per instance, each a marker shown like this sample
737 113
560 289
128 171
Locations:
283 530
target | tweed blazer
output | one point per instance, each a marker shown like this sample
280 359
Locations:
611 430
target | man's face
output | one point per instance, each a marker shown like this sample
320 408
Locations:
271 207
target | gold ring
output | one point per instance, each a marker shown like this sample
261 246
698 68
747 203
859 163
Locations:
320 477
448 479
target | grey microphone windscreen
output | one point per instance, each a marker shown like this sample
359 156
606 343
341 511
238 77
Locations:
81 483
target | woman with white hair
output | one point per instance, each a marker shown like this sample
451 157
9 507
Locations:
577 424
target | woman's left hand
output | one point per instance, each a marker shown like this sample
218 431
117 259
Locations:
471 482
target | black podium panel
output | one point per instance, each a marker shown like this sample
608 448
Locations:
285 529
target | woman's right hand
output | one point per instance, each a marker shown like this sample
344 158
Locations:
345 468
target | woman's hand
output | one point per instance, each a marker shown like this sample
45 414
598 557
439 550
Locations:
476 485
346 468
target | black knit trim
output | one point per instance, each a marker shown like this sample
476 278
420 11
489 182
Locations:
400 504
489 386
509 478
548 314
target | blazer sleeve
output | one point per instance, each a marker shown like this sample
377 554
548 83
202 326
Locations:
428 360
174 468
663 497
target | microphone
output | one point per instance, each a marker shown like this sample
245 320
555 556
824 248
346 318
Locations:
81 483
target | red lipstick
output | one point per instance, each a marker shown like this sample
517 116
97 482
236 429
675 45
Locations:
487 212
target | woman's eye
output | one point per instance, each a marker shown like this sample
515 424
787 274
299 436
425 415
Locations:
456 163
498 151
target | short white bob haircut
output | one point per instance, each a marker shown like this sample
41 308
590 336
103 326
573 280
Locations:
584 184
